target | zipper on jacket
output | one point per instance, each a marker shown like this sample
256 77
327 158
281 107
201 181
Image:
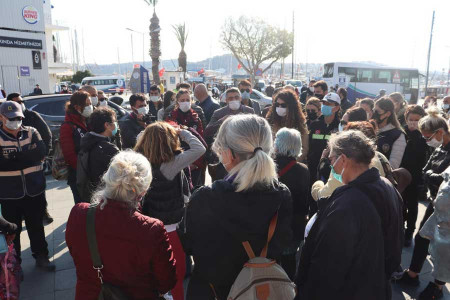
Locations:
259 281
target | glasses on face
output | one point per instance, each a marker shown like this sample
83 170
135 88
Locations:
247 90
430 138
283 105
344 123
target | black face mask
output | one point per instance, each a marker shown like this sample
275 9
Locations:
320 96
312 115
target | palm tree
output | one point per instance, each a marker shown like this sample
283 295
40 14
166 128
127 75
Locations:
182 35
155 48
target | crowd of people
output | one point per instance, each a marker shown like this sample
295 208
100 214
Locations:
326 188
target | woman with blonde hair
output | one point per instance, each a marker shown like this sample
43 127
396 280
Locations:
134 249
236 209
166 198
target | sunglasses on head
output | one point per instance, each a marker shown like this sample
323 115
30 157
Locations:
283 105
247 90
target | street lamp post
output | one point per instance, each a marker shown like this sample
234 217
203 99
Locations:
143 45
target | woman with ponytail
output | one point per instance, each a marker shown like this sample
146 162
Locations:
236 209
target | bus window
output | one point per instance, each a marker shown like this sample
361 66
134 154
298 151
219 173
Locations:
365 75
328 71
383 76
405 79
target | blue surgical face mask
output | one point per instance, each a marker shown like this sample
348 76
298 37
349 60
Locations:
114 132
338 177
327 110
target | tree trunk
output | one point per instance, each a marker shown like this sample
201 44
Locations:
182 62
155 51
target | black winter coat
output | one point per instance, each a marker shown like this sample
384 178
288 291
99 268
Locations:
436 165
218 220
344 253
416 155
130 129
101 151
297 181
33 119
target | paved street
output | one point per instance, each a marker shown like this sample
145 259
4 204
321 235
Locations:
61 284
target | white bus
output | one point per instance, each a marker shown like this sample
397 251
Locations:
109 84
366 80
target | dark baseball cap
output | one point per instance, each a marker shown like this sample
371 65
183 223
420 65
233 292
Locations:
11 109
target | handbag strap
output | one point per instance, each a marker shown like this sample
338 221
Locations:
286 168
92 241
248 247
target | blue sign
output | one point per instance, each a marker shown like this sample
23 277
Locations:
258 72
24 71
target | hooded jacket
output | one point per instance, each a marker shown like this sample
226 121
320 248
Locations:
101 151
218 219
347 249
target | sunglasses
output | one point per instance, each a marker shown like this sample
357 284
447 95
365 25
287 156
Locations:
247 90
344 123
283 105
15 119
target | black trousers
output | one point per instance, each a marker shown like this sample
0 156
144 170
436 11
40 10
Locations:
30 209
410 199
421 245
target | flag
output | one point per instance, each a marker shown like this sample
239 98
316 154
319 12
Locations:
239 66
161 72
201 71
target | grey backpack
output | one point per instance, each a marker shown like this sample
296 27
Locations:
262 278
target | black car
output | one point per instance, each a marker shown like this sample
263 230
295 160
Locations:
52 110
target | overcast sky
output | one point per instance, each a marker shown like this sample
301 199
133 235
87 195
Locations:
391 32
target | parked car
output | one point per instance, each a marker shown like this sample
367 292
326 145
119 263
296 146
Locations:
52 110
296 83
261 98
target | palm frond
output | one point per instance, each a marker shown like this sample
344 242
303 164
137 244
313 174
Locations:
181 33
151 2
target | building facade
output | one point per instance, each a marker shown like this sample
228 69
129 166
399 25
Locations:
23 46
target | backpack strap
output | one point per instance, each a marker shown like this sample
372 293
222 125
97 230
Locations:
273 224
248 247
92 241
287 168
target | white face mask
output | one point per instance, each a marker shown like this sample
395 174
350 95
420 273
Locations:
234 105
94 101
311 89
13 125
245 95
154 98
446 106
281 111
87 111
103 103
143 110
435 143
185 106
23 107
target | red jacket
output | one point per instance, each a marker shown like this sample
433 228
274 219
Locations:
134 250
70 135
